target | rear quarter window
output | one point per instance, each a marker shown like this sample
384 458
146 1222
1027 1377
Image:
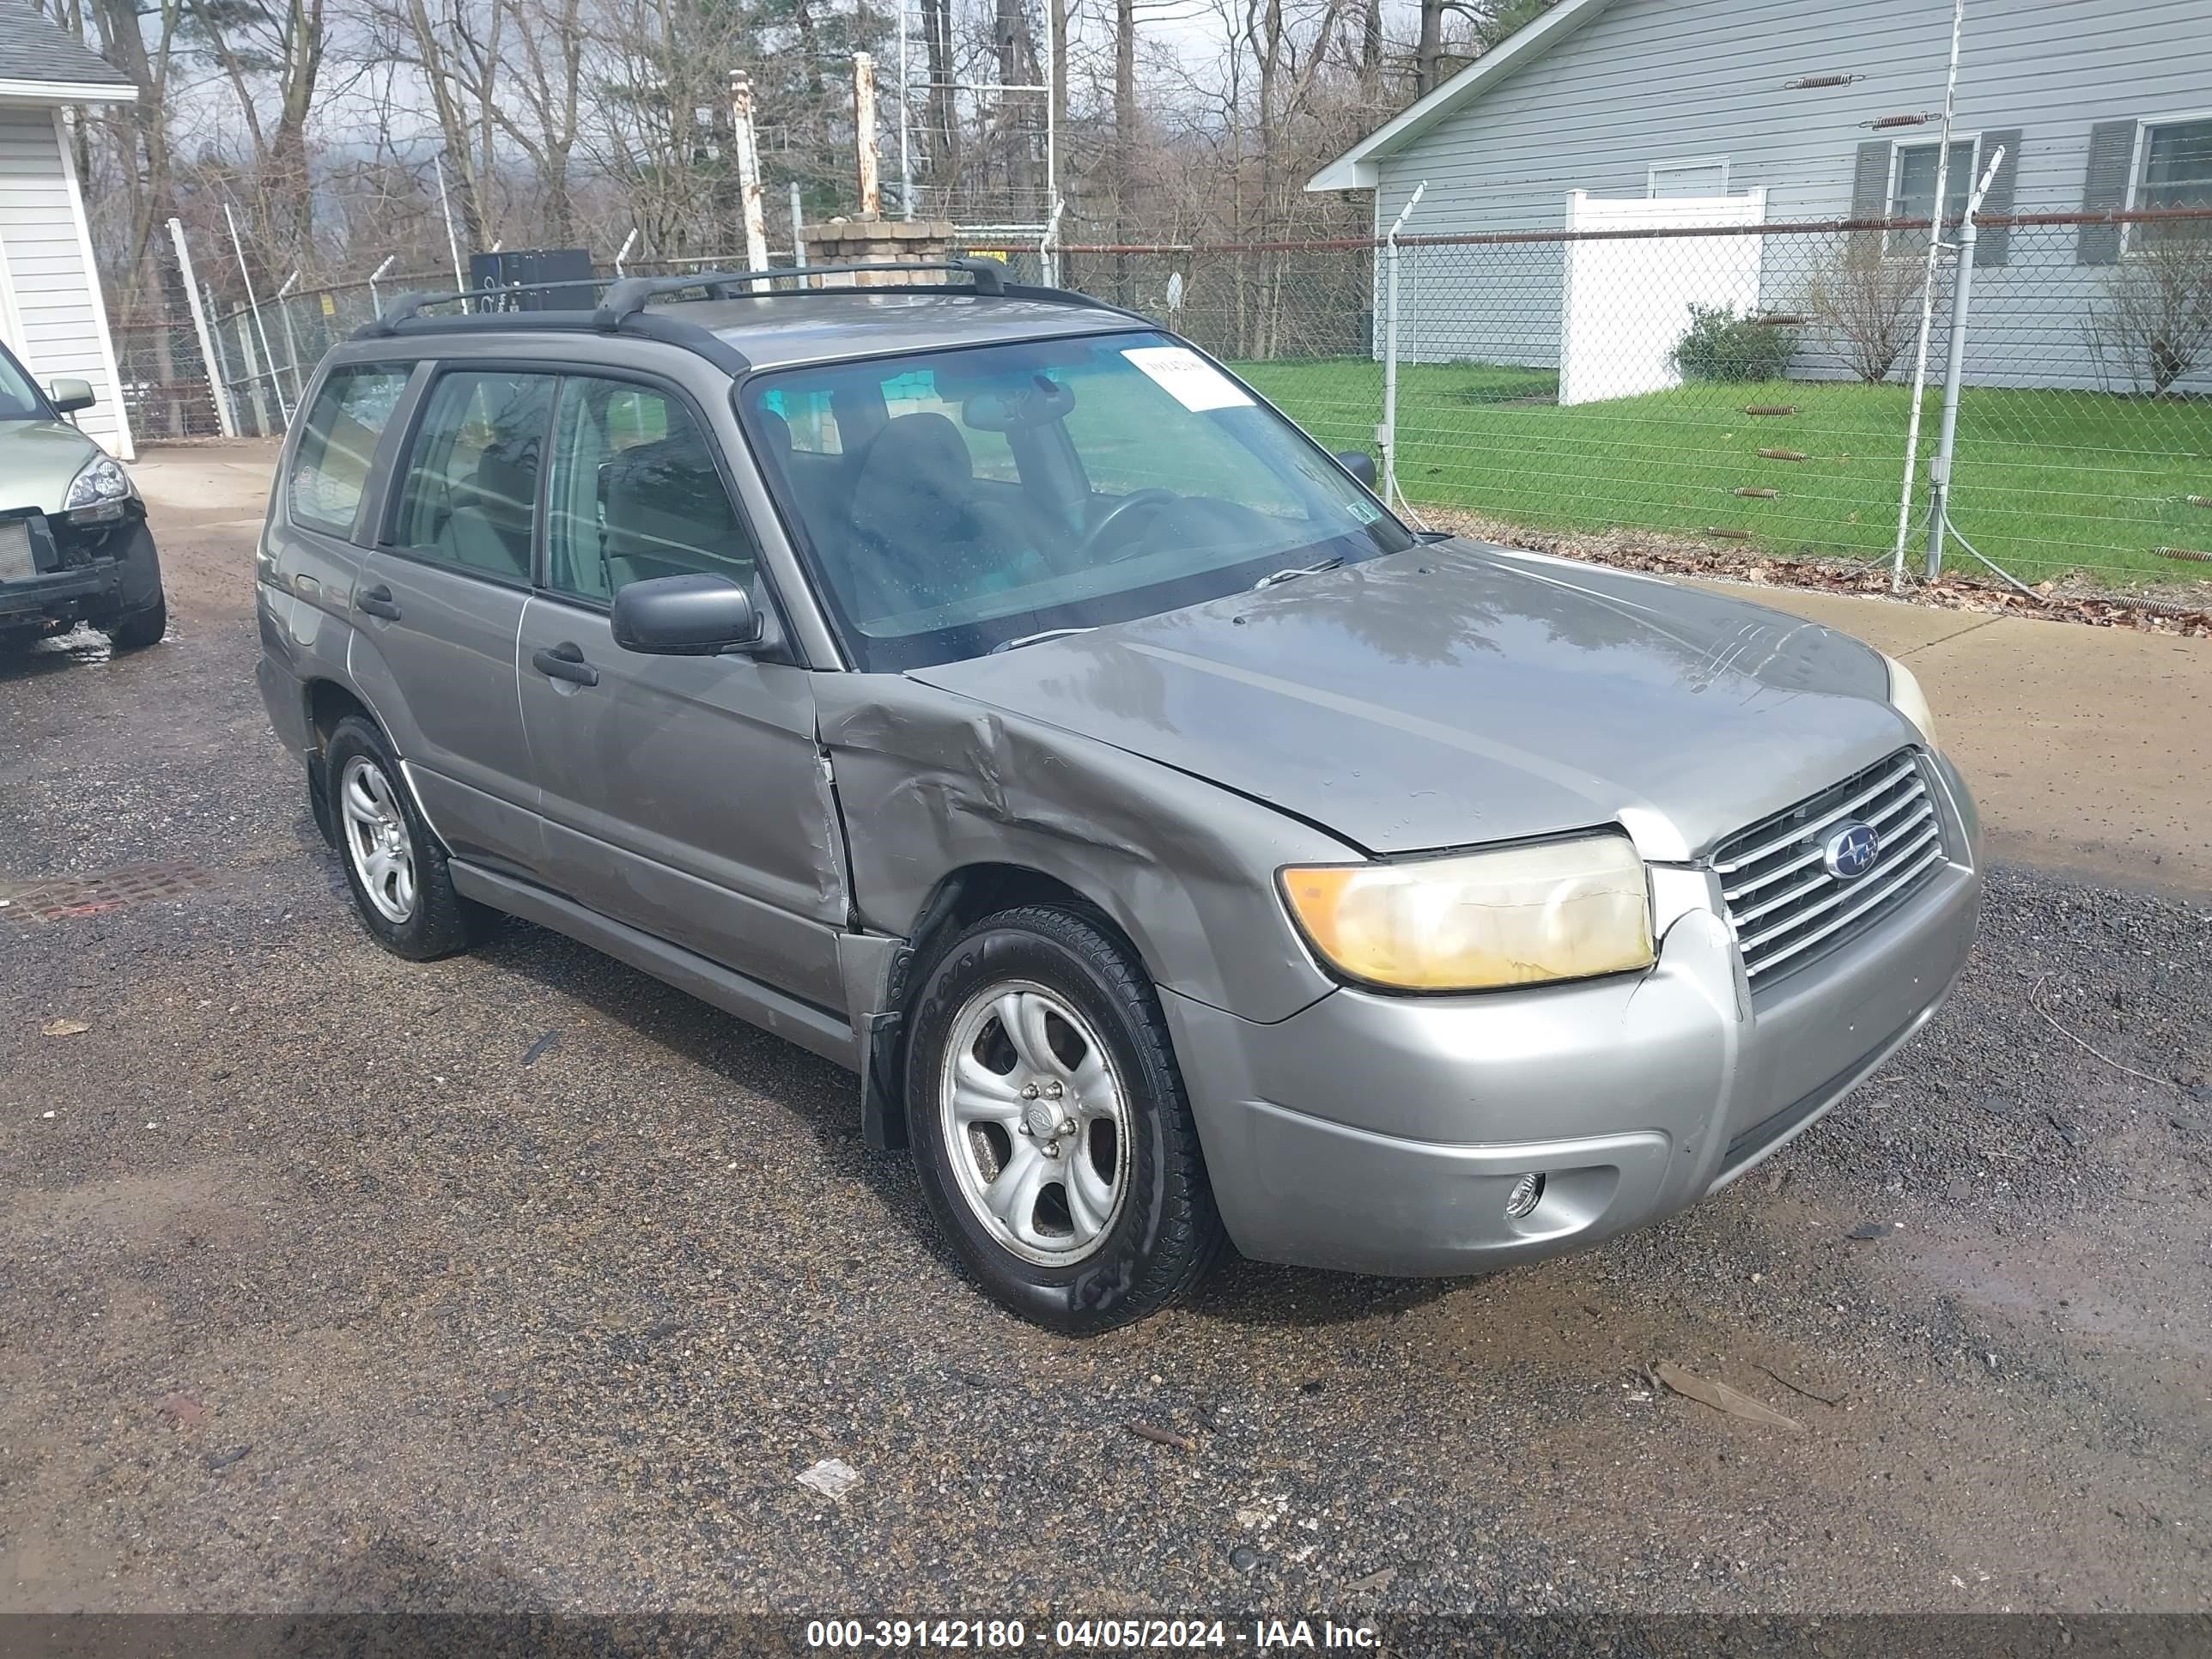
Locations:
330 469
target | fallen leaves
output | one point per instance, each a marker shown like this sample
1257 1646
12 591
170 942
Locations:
60 1027
1629 550
1720 1396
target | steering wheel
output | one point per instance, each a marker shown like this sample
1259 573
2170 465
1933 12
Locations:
1129 503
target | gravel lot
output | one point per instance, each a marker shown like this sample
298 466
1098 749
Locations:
519 1281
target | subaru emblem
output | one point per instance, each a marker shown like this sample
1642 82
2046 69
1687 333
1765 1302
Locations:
1849 850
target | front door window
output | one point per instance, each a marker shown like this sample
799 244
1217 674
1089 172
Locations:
635 494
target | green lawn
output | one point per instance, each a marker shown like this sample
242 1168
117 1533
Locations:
2046 482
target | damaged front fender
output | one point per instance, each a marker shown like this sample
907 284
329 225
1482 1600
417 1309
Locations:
930 783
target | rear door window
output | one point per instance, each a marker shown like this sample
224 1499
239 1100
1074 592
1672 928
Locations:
330 469
471 496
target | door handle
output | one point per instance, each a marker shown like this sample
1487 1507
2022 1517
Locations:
377 602
565 662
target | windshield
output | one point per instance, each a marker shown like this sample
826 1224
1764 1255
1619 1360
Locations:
20 400
953 502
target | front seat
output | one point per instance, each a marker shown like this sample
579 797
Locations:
919 538
667 515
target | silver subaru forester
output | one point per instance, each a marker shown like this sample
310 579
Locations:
980 687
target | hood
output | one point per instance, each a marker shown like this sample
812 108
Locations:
1458 693
37 459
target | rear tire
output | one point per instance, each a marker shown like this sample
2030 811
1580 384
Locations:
1050 1128
140 629
402 889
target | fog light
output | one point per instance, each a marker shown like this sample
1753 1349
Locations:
1527 1193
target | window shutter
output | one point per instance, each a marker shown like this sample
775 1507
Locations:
2111 153
1994 245
1870 181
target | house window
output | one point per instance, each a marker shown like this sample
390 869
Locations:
1707 176
2176 172
1912 189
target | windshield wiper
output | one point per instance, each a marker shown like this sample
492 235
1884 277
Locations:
1033 639
1293 573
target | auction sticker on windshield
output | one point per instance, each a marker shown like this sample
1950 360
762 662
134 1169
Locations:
1192 381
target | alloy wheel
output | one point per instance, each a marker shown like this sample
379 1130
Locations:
377 839
1037 1121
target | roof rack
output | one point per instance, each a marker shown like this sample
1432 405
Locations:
409 305
623 308
631 295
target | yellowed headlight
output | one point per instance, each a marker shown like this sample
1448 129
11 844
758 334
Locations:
1518 915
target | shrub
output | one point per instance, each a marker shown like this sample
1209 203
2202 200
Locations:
1719 345
2153 326
1863 307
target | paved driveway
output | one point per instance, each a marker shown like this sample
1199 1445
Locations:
520 1281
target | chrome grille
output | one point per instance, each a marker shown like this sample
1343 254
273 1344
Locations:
1785 908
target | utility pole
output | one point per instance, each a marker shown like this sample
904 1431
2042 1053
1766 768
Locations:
906 146
749 179
864 129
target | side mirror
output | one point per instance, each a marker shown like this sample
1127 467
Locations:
69 395
696 616
1359 464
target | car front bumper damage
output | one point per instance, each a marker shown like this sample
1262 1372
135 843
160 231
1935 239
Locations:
1380 1134
80 574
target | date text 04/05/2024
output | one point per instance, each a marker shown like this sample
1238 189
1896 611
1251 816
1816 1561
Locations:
1091 1635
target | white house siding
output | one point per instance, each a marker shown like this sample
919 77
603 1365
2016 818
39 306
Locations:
1652 82
55 318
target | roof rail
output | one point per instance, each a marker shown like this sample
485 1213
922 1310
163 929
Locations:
409 305
630 296
623 309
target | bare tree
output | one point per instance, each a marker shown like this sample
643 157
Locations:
141 129
285 43
547 75
1863 307
1488 23
455 48
2152 326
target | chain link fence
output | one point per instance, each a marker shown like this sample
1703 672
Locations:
167 393
1737 387
1745 386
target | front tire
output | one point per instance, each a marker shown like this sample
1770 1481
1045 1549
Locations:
1049 1124
402 889
140 629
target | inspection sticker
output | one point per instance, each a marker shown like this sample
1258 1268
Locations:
1192 381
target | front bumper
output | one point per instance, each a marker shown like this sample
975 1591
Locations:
83 578
1383 1134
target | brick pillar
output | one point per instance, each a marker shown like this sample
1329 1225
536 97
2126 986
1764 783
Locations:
878 241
